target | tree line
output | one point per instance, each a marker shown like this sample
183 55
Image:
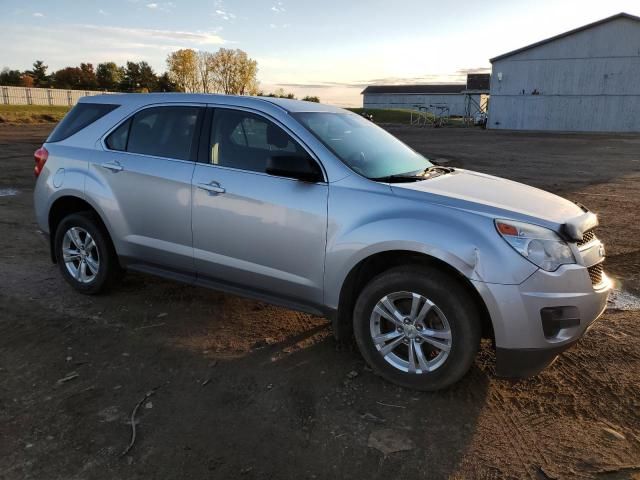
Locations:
226 71
132 77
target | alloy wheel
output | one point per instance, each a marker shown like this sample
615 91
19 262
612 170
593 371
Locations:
410 332
80 255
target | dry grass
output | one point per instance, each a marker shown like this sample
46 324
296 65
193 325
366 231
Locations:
385 115
31 113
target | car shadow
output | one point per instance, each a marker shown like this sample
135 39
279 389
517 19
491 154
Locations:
309 406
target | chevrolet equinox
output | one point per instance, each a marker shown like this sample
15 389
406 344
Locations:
317 209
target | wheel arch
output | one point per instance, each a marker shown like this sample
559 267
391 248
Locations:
377 263
64 206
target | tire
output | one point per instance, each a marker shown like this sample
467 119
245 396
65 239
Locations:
101 267
451 309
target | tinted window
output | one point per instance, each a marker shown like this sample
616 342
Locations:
118 138
245 141
160 131
80 116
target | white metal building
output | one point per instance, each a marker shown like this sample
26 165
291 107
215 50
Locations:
587 79
410 97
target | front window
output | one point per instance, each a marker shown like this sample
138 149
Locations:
364 147
246 141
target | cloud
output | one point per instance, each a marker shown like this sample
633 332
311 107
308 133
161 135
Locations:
459 76
161 7
99 44
278 7
465 71
199 38
306 85
38 14
225 15
102 12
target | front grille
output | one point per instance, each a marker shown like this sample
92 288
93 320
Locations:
587 237
595 273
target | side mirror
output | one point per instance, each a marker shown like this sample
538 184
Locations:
294 166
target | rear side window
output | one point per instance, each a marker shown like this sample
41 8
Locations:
80 116
158 131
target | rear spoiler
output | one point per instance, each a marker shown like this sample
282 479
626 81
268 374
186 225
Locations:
575 228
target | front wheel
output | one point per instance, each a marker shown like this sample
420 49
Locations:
417 327
84 254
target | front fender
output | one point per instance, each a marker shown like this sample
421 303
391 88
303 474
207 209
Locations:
466 241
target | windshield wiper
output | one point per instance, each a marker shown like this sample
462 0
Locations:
438 169
429 172
401 177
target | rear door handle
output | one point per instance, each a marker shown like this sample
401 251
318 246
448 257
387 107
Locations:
212 188
113 166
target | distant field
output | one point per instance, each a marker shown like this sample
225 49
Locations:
385 116
31 113
398 116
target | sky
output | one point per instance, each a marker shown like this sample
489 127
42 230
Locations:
328 48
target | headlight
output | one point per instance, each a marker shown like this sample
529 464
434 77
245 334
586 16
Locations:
539 245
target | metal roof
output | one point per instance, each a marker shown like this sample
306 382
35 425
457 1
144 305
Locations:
413 89
566 34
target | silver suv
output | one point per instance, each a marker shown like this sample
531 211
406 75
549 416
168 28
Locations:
317 209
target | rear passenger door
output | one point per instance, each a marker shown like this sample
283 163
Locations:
254 230
148 170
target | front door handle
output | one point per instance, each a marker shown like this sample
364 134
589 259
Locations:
213 188
113 166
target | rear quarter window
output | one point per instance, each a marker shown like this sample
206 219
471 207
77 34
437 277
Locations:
80 116
118 139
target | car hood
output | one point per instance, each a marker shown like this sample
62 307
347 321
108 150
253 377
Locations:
478 192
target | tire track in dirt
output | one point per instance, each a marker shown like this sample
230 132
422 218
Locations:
520 438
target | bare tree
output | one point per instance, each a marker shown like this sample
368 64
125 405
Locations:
205 62
233 72
183 69
246 74
228 71
223 70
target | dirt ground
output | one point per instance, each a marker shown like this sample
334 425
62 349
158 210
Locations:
246 390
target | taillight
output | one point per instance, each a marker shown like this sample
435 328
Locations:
40 156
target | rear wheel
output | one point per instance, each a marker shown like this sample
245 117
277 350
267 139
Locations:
417 328
84 253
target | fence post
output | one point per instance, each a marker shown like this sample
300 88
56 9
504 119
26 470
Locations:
69 99
27 91
49 97
5 95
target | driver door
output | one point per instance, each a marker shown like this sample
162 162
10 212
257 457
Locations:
253 230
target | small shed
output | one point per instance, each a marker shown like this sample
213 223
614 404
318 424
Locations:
455 97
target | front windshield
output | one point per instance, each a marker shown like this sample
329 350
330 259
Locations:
362 145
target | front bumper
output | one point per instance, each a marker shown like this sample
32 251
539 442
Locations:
525 344
526 362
